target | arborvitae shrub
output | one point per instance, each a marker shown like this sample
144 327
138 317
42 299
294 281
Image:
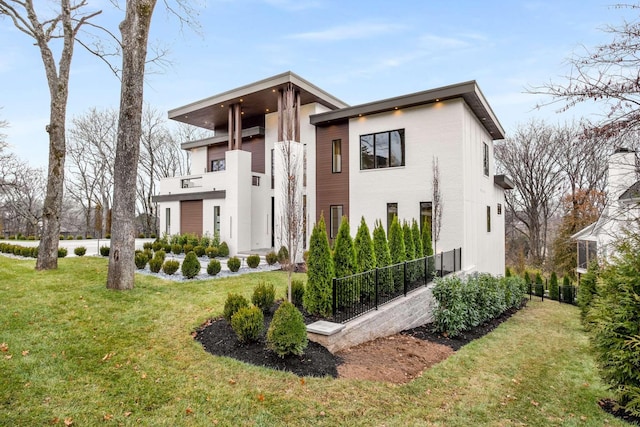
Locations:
233 303
264 296
253 260
398 252
170 266
155 264
176 248
213 267
147 245
233 264
588 289
157 245
287 332
507 272
199 250
248 323
62 252
283 255
188 247
190 265
141 260
408 241
104 250
271 258
223 250
567 290
527 279
553 286
211 251
383 259
538 289
80 251
363 245
160 254
417 239
297 292
344 262
305 256
318 295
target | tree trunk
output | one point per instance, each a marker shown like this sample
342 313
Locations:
135 34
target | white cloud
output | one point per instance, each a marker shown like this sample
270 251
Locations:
362 30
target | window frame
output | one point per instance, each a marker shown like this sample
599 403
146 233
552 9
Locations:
391 214
336 156
485 158
335 226
221 165
488 219
429 207
378 139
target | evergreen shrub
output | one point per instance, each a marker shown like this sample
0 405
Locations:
176 248
170 266
187 247
190 265
213 267
553 286
199 250
155 264
211 251
147 245
383 259
223 250
62 252
297 293
588 289
160 254
318 295
234 264
104 250
233 303
567 291
141 260
248 323
80 251
271 258
283 255
253 261
287 333
264 295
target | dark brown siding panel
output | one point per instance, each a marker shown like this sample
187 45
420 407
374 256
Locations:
332 188
214 152
255 145
191 217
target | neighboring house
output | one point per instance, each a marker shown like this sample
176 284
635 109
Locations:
372 160
620 214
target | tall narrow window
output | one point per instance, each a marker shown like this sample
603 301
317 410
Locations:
304 165
488 219
337 156
334 223
168 221
426 214
485 158
216 221
304 221
392 210
273 164
499 208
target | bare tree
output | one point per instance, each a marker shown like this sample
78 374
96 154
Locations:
607 75
437 204
529 157
135 34
21 196
63 25
291 152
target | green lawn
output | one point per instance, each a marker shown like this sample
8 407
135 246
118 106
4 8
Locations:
73 350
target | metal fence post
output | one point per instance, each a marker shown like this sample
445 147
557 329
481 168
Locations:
405 278
426 270
335 295
441 264
377 289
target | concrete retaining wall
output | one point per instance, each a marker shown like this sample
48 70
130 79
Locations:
404 313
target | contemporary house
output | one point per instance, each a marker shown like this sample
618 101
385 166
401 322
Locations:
373 160
620 214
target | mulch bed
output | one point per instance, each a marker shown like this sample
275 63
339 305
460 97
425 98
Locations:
610 406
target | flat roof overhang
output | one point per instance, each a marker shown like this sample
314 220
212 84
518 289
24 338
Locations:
246 134
257 99
468 91
200 195
503 181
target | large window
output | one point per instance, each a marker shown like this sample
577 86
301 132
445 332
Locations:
217 165
587 253
426 214
336 162
392 210
334 221
382 150
485 158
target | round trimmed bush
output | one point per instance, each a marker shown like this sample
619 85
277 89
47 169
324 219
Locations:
62 252
160 254
141 260
140 235
271 258
147 245
283 255
155 264
297 292
69 237
188 247
190 265
211 251
248 323
80 251
233 303
213 267
223 250
176 248
170 266
287 332
233 263
79 237
199 250
253 261
166 247
104 250
26 251
264 296
156 246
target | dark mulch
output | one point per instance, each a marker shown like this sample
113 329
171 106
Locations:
611 407
426 332
218 338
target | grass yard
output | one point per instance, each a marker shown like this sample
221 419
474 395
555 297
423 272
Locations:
75 352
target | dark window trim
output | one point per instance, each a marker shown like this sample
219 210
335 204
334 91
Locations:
375 160
331 224
336 163
485 158
488 219
389 205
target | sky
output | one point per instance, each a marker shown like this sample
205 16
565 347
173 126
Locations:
358 51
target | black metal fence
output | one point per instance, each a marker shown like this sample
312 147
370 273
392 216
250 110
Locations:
566 294
360 293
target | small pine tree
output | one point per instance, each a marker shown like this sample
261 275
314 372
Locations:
344 257
191 265
553 286
507 272
408 241
383 258
567 290
287 333
319 293
365 257
427 244
397 248
527 279
588 289
417 240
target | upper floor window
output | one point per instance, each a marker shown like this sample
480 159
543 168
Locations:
217 165
336 150
485 159
191 182
382 150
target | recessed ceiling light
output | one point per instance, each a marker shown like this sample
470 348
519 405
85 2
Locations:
267 110
221 105
437 99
